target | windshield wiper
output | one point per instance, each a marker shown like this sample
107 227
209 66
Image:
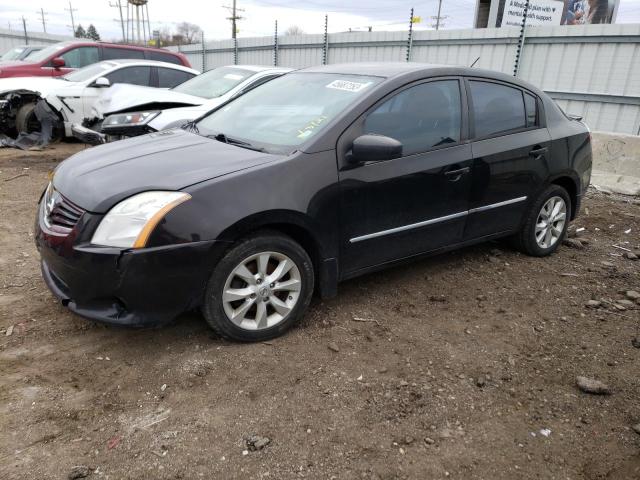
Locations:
191 127
221 137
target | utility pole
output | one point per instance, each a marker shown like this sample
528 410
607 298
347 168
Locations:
438 18
44 22
234 17
73 23
24 27
118 5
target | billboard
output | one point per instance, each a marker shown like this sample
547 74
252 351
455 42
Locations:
509 13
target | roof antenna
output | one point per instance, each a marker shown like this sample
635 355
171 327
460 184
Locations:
474 62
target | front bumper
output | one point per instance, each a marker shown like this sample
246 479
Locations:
145 287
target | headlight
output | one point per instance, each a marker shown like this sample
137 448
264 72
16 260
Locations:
130 223
133 119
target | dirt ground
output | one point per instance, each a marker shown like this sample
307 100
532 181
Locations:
458 366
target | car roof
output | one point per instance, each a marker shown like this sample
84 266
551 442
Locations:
391 70
150 63
259 68
88 41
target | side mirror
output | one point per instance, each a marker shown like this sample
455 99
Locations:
102 82
58 62
374 148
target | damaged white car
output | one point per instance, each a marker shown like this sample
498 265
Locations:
128 111
35 104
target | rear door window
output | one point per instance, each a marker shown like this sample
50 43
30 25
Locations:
497 108
137 75
80 57
169 77
111 53
421 117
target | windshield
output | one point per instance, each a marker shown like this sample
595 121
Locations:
88 72
46 52
214 83
13 54
288 110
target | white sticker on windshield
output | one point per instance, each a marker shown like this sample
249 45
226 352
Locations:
233 76
348 86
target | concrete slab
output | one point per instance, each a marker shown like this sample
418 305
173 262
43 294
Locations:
616 162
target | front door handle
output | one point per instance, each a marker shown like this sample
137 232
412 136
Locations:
454 175
536 152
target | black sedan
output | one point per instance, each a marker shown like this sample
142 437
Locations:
318 176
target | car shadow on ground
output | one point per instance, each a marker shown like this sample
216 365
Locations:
192 327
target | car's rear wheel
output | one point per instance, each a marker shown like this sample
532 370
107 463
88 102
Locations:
546 222
260 288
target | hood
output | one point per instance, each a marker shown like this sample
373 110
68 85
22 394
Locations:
127 97
42 85
99 177
179 116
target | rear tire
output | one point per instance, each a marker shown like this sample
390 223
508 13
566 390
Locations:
260 288
545 223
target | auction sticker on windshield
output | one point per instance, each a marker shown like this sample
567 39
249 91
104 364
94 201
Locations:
348 86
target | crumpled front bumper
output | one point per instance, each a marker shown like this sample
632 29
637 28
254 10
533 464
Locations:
133 287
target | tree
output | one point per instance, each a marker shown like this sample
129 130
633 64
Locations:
92 33
80 32
294 30
188 32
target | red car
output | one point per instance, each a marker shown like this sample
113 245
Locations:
64 57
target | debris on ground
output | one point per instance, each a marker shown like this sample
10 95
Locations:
573 243
333 347
590 385
593 304
633 295
256 442
9 331
79 471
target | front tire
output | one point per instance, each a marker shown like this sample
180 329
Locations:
546 222
260 288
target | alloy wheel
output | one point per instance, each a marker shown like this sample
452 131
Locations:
261 291
551 221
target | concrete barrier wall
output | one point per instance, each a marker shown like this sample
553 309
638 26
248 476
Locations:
616 162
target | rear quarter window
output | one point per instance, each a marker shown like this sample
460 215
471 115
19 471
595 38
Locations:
497 108
163 57
111 53
169 78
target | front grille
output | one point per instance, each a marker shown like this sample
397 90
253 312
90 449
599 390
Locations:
60 212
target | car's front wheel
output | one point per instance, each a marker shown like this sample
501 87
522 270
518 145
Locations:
546 222
260 288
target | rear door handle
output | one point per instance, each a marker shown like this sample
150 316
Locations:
536 152
454 175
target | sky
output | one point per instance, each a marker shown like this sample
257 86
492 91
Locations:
259 15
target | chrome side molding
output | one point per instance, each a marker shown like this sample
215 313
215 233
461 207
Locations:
435 220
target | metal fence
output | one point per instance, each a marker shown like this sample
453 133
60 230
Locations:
13 38
591 70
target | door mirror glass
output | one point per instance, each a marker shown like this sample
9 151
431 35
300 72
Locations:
374 148
58 62
102 82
